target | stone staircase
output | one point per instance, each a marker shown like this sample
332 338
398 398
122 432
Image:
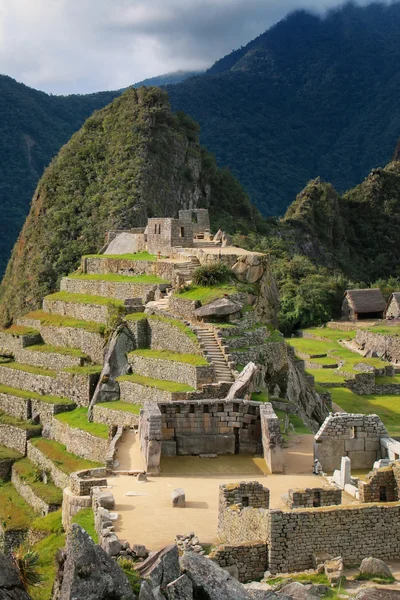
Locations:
209 344
188 267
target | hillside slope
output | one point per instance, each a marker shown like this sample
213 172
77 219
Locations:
131 160
310 97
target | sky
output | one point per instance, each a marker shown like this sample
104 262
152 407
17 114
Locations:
83 46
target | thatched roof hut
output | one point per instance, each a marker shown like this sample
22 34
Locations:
363 304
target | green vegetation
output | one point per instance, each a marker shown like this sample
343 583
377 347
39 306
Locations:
15 513
386 380
386 329
8 420
161 384
175 323
67 463
85 518
136 256
212 275
190 359
123 406
85 370
327 376
5 389
78 420
205 294
53 320
151 279
84 299
333 335
140 316
260 396
133 577
19 330
28 368
299 428
26 562
311 347
31 476
47 565
58 350
379 580
51 523
8 453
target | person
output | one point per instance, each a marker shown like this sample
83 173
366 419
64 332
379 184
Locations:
317 467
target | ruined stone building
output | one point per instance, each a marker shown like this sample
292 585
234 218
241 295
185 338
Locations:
393 307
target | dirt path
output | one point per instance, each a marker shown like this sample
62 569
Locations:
146 514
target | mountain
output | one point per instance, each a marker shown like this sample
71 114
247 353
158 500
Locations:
312 96
168 78
131 160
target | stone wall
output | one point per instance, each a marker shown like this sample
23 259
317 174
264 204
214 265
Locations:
352 532
134 393
171 370
381 485
11 539
354 435
78 387
211 427
109 289
164 234
238 525
377 344
38 505
125 266
89 342
250 559
182 308
5 468
98 313
108 416
13 343
34 382
72 505
314 497
150 435
15 406
79 442
164 335
59 478
271 438
47 410
393 309
82 482
199 218
16 438
243 494
48 360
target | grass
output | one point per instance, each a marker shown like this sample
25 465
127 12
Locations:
84 299
385 329
14 422
387 407
15 513
67 463
141 316
19 330
312 347
190 359
331 335
299 427
51 523
325 361
47 566
175 323
29 473
329 376
85 370
123 406
28 368
8 453
151 279
85 518
5 389
78 420
379 580
386 380
206 294
131 574
136 256
53 320
260 396
161 384
75 352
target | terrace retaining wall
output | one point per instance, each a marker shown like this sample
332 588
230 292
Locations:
125 266
79 442
250 559
109 289
16 438
59 478
38 505
89 342
171 370
378 344
108 416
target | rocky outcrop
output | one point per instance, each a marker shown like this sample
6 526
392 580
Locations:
243 382
11 587
86 572
219 308
374 567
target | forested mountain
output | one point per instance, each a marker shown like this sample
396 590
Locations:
168 78
131 160
310 97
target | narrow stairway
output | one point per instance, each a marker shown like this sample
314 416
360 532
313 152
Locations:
214 353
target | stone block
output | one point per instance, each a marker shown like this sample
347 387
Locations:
205 444
372 445
106 500
354 445
180 589
362 460
178 498
329 452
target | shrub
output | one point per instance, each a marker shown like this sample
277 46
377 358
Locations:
214 274
132 576
26 562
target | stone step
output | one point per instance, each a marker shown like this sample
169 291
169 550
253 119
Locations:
59 330
88 308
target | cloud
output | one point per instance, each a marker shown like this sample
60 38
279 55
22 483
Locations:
80 46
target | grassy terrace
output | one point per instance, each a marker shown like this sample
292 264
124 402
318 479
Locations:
151 279
78 420
190 359
47 348
312 347
47 550
136 256
19 330
85 518
27 368
173 322
15 513
67 463
387 407
53 320
331 335
160 384
327 376
86 370
206 294
122 406
14 422
84 299
385 329
5 389
388 380
30 475
7 453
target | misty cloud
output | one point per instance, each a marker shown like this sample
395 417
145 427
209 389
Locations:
80 46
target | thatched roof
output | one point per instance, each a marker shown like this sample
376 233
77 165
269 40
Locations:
366 301
395 297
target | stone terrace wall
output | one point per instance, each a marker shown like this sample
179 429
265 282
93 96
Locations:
211 427
353 532
60 478
108 416
123 266
79 442
47 410
192 375
109 289
377 344
312 497
48 360
134 393
182 308
34 382
237 525
13 343
16 438
166 336
150 437
11 539
271 438
250 558
88 312
38 505
82 482
78 387
354 435
16 407
89 342
378 482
